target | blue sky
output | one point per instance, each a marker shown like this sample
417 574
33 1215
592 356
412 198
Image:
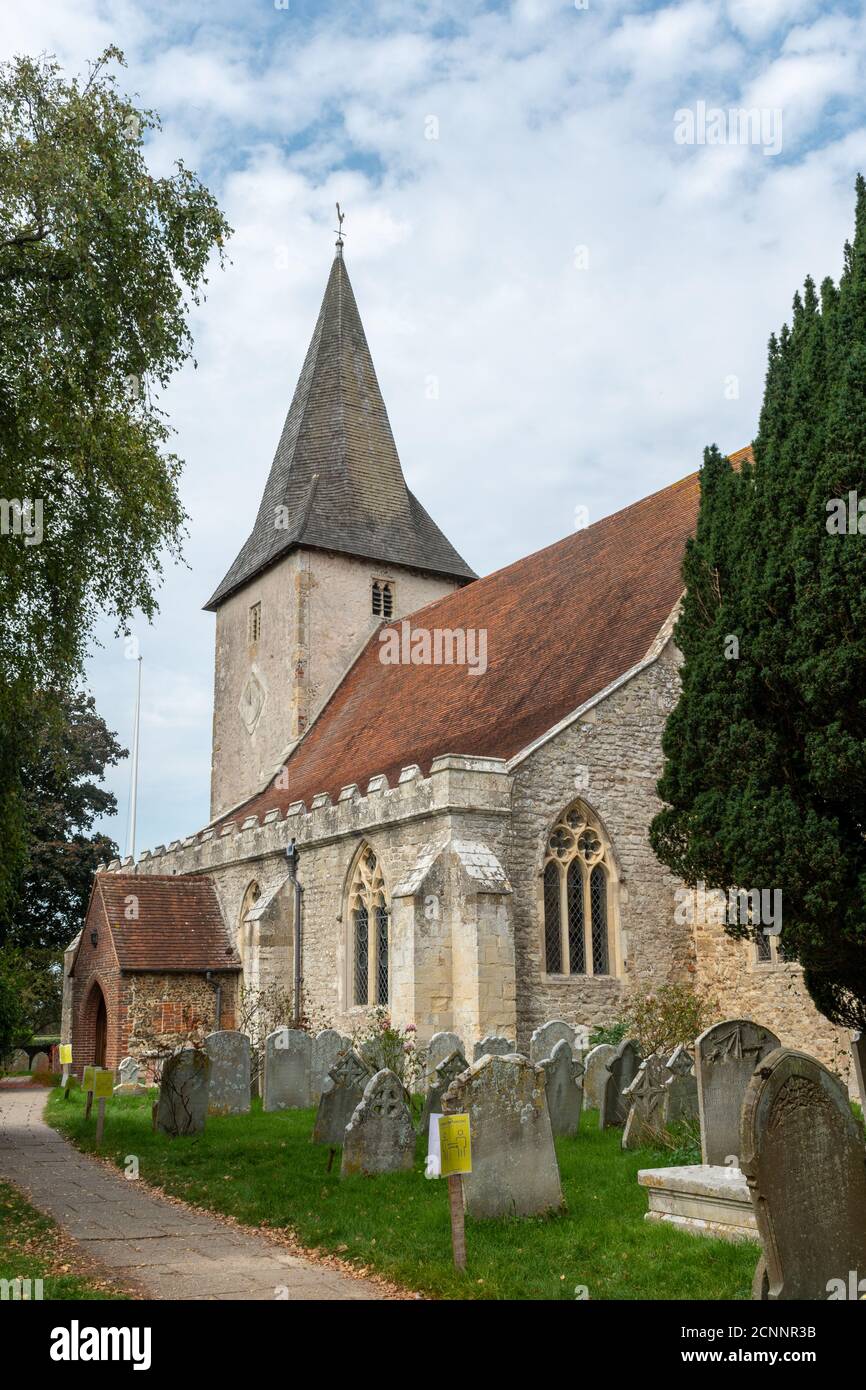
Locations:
591 297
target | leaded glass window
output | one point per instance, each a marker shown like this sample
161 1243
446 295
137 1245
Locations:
368 914
598 908
552 920
576 903
574 896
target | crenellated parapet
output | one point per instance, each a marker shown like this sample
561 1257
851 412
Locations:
456 783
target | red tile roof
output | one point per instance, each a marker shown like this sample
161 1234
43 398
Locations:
561 626
179 925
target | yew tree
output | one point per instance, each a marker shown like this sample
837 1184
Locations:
764 783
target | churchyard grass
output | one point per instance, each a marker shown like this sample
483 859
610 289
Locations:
31 1247
262 1170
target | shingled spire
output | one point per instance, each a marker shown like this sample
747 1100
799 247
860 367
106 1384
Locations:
336 482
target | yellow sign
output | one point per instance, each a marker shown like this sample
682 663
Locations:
455 1144
87 1079
103 1085
66 1054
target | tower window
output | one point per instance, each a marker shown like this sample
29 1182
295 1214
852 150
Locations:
255 622
383 598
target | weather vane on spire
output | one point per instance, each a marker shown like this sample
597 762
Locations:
341 216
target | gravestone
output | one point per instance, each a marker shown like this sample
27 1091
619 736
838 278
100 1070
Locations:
129 1083
563 1079
288 1062
40 1062
380 1137
129 1071
725 1057
620 1072
440 1046
681 1088
804 1159
493 1046
595 1074
19 1061
646 1102
514 1171
545 1038
183 1093
229 1053
327 1046
341 1095
445 1073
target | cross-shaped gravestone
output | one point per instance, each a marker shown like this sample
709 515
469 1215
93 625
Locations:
645 1096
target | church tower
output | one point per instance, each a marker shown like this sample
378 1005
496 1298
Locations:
339 544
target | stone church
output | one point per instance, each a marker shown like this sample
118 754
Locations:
452 776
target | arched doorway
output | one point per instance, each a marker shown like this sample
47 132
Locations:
100 1030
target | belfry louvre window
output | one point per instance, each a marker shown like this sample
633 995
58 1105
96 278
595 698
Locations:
576 895
368 925
255 622
383 598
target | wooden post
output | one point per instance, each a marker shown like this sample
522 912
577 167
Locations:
458 1230
100 1120
88 1106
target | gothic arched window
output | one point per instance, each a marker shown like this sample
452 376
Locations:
368 928
576 892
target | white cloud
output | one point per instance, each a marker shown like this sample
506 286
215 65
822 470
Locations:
557 386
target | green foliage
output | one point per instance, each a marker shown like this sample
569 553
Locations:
387 1046
764 781
62 798
661 1018
99 263
612 1035
261 1170
13 1012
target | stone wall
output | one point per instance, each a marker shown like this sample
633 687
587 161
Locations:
162 1010
611 760
315 618
769 993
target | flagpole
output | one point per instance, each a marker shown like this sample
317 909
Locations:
134 769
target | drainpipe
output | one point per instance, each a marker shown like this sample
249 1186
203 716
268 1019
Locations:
218 1005
297 978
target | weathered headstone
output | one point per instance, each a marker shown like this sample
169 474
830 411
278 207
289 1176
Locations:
327 1046
514 1170
620 1072
440 1046
545 1038
19 1061
41 1062
380 1137
129 1078
341 1095
445 1073
803 1155
129 1072
229 1053
183 1093
681 1088
645 1096
493 1046
595 1075
725 1057
563 1075
288 1062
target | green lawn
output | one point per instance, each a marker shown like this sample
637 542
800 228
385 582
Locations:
32 1247
263 1170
